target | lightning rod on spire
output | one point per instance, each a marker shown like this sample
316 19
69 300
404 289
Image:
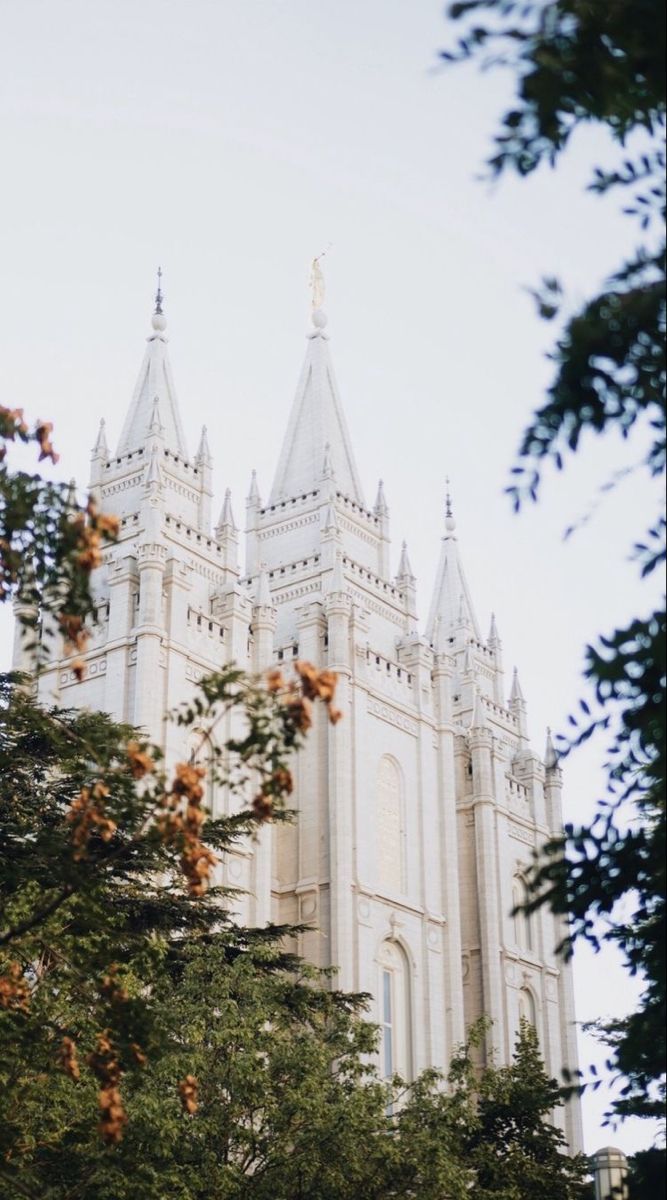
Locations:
158 295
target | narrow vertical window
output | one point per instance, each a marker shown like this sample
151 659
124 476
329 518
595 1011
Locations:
523 924
387 1025
394 1011
527 1008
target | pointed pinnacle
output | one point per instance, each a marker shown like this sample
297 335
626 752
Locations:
253 494
203 451
380 508
516 695
494 639
550 753
404 567
100 448
226 521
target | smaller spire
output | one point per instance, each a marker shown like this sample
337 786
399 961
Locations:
263 598
404 567
479 720
516 694
203 452
494 639
253 494
380 507
550 754
101 449
226 520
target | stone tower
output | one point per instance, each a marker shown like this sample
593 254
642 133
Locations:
417 813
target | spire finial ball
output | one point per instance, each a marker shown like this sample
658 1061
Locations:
320 318
450 524
159 322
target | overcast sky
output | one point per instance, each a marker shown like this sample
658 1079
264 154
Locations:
233 140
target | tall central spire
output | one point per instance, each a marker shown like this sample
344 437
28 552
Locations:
451 608
317 429
154 390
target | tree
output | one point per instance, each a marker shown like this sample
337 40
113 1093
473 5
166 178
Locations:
104 876
579 62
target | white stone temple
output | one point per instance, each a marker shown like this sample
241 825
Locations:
419 811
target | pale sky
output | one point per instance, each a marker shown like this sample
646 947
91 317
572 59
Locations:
230 141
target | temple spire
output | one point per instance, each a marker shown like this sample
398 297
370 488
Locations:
316 422
516 694
203 450
101 449
154 382
451 607
226 519
404 567
381 508
253 496
550 753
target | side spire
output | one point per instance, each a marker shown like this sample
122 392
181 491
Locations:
101 449
381 508
253 495
203 450
316 420
404 567
516 694
226 519
451 607
155 381
550 753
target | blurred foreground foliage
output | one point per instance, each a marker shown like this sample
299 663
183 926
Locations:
578 63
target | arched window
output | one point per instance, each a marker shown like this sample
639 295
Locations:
389 825
394 1011
523 923
527 1007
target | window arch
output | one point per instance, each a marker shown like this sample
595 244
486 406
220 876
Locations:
394 1011
523 922
390 826
527 1007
